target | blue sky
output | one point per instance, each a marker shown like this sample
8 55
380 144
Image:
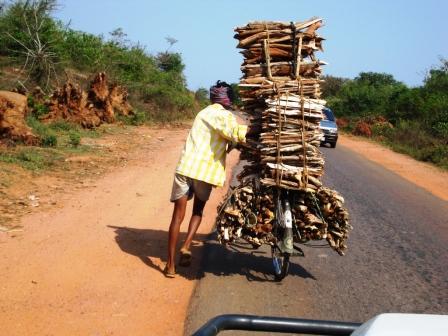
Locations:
403 38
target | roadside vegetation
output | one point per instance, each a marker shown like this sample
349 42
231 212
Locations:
46 52
413 121
38 50
59 140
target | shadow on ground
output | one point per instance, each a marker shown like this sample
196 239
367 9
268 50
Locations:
219 260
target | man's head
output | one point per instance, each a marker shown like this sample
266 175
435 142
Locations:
222 93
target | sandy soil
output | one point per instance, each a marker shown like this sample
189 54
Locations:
88 260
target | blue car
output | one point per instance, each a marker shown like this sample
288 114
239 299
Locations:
329 128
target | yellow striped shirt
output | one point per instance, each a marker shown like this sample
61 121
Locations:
204 155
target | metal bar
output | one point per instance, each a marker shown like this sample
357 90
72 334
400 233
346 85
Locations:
275 324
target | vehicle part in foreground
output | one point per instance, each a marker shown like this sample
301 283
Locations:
380 325
275 324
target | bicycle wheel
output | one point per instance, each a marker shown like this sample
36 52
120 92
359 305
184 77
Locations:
280 262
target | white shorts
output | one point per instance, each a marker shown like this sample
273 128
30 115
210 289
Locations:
184 185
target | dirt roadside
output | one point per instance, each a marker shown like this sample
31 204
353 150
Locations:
424 175
90 263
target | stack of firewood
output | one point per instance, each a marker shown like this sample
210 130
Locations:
280 91
249 213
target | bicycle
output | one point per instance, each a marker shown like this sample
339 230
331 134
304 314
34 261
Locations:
280 232
285 233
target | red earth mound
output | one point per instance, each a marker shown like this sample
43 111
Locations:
362 128
13 110
98 105
91 108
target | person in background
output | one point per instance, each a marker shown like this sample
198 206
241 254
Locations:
202 167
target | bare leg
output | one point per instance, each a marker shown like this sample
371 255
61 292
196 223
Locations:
173 236
195 221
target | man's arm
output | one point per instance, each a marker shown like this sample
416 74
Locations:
226 125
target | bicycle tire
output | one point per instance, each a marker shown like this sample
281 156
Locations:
280 264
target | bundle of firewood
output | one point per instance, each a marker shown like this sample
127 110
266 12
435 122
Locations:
249 214
280 91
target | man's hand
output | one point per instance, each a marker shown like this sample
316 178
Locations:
230 146
252 131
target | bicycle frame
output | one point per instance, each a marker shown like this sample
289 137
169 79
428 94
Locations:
284 247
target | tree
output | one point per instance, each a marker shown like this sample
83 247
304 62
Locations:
236 94
437 77
332 85
171 41
201 95
376 79
170 62
119 38
83 51
368 94
30 36
435 96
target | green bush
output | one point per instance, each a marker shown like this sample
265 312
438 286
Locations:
83 50
332 85
406 104
419 115
74 138
435 111
201 96
170 62
36 125
49 140
8 158
382 130
368 94
139 118
63 125
33 159
37 109
59 133
409 137
135 119
168 97
441 129
37 158
47 135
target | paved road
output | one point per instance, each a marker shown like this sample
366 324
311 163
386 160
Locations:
397 259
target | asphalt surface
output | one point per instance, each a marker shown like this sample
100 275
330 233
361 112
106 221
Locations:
397 259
